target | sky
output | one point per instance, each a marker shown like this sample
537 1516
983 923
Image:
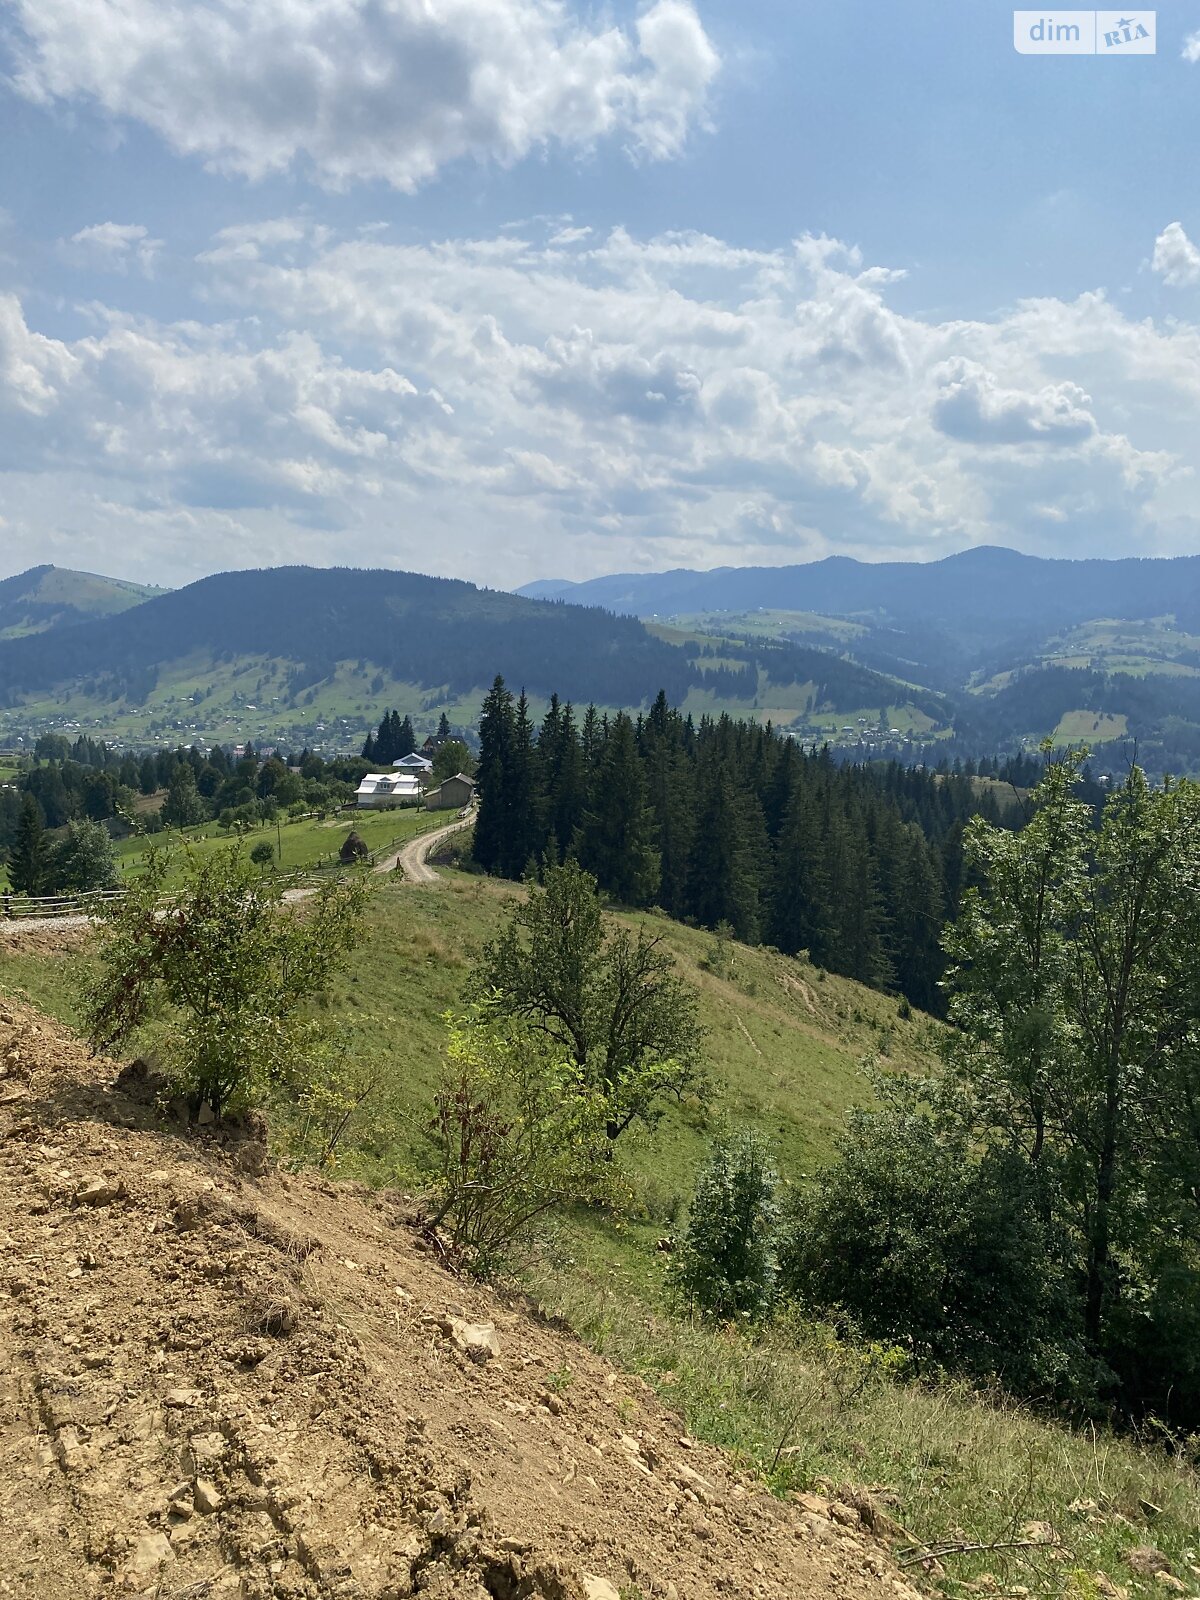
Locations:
506 289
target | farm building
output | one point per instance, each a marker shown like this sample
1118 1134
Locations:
380 789
451 794
420 766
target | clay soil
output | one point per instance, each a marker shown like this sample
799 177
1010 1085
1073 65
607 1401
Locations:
218 1380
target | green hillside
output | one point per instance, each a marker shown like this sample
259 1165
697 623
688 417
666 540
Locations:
315 657
47 597
956 1469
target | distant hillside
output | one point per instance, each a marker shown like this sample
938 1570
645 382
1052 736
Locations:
989 585
429 631
48 597
306 653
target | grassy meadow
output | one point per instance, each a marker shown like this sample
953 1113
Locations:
784 1051
303 845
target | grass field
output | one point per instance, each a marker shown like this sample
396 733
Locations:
783 1051
1075 727
306 843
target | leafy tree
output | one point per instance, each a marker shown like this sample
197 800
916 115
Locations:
911 1236
27 864
519 1131
263 853
81 860
451 757
613 1002
225 977
726 1262
1066 1141
184 806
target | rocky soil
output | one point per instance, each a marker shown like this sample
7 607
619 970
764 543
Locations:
220 1381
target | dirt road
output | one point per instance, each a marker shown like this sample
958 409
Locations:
414 856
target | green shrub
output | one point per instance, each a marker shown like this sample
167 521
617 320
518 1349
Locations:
519 1132
225 973
727 1260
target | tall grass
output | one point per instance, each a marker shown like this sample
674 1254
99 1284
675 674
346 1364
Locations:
951 1466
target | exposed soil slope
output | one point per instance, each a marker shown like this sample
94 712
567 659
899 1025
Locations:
217 1381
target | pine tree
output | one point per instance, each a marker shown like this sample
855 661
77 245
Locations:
496 731
615 840
525 840
27 864
721 877
443 728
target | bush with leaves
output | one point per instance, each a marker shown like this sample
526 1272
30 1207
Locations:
612 1001
912 1236
726 1263
222 971
338 1090
81 859
519 1131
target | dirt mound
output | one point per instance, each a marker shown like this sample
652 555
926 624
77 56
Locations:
215 1385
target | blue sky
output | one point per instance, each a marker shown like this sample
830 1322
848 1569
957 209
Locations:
502 289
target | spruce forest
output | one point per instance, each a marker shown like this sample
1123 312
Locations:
728 824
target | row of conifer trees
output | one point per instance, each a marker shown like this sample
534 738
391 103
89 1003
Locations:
729 822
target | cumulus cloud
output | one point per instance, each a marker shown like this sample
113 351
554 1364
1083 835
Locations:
354 90
594 402
971 405
1175 257
1191 47
120 247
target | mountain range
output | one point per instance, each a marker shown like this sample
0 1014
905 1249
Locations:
982 653
986 586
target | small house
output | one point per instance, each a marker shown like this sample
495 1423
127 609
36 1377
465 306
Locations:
382 789
452 794
418 765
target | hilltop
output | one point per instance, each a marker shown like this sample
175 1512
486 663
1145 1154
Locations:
47 598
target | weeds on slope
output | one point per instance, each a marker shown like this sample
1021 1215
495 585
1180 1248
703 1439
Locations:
1058 1510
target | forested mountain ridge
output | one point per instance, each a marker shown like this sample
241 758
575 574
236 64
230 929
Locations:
286 632
996 585
46 598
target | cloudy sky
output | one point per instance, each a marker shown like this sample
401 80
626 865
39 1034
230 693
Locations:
504 288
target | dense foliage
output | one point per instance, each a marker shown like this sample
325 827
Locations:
725 1264
1037 1215
224 976
88 780
611 1002
730 822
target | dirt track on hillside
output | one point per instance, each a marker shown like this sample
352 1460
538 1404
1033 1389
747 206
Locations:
413 857
218 1381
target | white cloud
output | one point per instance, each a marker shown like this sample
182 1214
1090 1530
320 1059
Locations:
972 406
1175 257
355 90
119 247
525 403
1191 47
